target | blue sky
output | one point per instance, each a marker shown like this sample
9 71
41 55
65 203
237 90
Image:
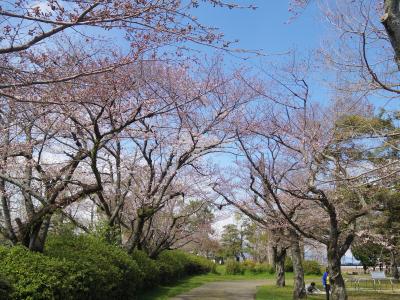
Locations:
267 27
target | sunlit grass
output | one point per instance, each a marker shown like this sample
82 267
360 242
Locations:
184 285
271 292
267 292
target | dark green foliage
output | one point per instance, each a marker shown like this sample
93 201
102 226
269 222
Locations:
174 265
149 268
288 264
367 253
76 267
233 267
5 288
311 267
171 266
36 276
113 273
198 265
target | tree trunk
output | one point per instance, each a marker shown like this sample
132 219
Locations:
335 274
299 286
10 234
134 240
38 235
391 21
393 265
279 260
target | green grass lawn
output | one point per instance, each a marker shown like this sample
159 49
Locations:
268 292
271 292
184 285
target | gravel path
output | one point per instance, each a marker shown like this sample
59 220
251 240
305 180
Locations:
223 290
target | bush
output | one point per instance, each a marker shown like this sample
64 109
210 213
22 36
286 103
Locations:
85 267
249 266
233 267
257 268
171 265
174 265
311 267
271 269
288 264
264 268
36 276
148 267
5 288
198 265
113 274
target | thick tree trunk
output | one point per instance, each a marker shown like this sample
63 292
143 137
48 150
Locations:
391 21
134 240
5 214
335 274
393 265
38 235
299 286
279 261
365 269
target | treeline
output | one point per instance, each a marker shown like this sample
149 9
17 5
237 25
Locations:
86 267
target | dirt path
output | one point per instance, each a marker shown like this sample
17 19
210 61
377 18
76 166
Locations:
224 290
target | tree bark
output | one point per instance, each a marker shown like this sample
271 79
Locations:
391 21
134 240
299 286
279 261
335 274
393 265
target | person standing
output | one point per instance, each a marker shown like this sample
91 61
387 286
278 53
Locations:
326 283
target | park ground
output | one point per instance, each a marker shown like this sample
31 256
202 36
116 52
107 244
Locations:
259 285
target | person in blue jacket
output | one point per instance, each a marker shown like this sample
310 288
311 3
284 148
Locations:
326 283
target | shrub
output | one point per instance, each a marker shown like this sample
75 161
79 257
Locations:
264 268
36 276
257 268
233 267
171 265
148 267
311 267
288 264
5 288
113 273
198 265
176 264
270 269
86 267
250 266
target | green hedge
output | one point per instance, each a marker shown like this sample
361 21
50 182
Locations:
113 274
311 267
35 276
174 265
149 269
85 267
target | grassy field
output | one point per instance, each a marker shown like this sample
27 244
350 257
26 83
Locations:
271 292
268 292
184 285
165 292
